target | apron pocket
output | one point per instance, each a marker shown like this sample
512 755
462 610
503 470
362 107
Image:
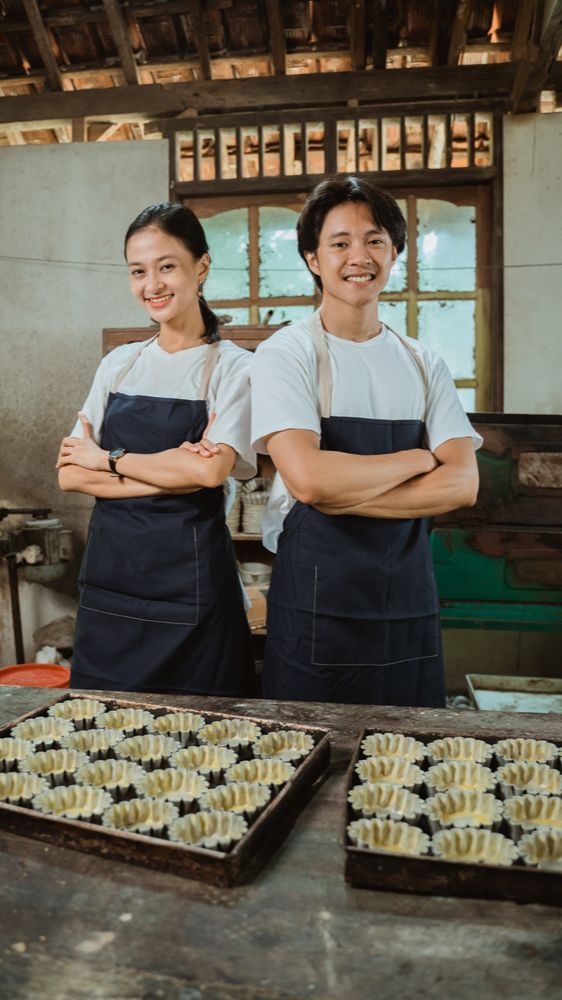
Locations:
359 642
108 602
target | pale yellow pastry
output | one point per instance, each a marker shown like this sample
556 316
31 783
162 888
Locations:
542 848
73 802
284 744
531 811
393 745
56 765
460 774
206 759
212 830
95 742
386 835
474 846
266 771
126 719
42 729
391 770
532 778
140 815
19 788
239 797
111 774
78 710
182 725
463 748
460 808
386 801
173 783
13 750
229 732
149 749
537 751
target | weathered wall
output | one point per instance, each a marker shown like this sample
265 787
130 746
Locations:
533 263
63 213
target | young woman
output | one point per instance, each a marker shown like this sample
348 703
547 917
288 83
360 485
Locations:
369 437
161 606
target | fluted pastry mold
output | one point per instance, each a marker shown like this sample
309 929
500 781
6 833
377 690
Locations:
230 732
461 808
182 725
474 846
261 771
238 797
459 774
393 745
12 750
83 712
462 748
132 721
116 776
140 815
150 750
388 835
43 730
284 744
215 831
530 812
542 848
19 788
206 759
391 770
57 766
73 802
97 743
533 751
173 783
385 801
520 776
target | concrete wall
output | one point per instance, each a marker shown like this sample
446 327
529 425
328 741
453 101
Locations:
63 214
533 263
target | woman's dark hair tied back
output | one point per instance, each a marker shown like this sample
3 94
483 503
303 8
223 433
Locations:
179 221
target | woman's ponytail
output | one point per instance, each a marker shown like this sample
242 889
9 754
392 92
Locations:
212 332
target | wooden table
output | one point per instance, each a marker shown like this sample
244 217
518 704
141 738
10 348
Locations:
76 926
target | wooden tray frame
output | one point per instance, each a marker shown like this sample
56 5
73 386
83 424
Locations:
220 868
428 875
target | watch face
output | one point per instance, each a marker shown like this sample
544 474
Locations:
116 453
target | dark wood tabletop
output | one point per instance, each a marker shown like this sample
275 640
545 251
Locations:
78 926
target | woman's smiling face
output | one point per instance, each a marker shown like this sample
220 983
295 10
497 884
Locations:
164 275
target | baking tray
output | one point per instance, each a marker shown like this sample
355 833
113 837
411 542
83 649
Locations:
220 868
497 693
428 875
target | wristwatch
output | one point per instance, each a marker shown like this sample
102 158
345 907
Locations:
113 456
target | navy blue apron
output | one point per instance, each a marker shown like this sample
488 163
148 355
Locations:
352 607
161 605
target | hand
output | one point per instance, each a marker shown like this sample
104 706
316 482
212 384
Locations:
83 451
432 462
204 447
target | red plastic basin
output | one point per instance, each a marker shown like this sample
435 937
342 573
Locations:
48 675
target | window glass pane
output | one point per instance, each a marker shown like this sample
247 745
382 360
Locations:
468 399
398 276
227 236
237 317
282 270
394 315
446 246
448 328
284 314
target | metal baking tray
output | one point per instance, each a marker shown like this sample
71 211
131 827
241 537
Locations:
497 693
429 875
247 857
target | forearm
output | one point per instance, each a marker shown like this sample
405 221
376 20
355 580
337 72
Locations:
74 479
446 488
178 469
338 479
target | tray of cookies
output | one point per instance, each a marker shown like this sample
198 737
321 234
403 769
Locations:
200 794
455 815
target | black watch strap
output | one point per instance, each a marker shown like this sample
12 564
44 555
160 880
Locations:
113 457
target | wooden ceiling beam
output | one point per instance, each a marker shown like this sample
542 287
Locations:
277 36
458 34
357 34
380 34
43 42
201 40
122 39
533 73
522 30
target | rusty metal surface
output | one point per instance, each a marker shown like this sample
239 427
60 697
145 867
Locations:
77 926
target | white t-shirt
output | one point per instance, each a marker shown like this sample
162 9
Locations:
376 379
179 376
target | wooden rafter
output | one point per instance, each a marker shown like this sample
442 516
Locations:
201 40
43 42
357 33
440 33
521 36
277 36
380 34
458 34
533 72
122 39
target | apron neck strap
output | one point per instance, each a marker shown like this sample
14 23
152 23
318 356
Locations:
324 365
134 357
211 358
405 341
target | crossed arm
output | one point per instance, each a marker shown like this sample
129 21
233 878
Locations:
83 468
405 484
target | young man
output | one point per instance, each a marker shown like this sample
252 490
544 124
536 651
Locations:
369 436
